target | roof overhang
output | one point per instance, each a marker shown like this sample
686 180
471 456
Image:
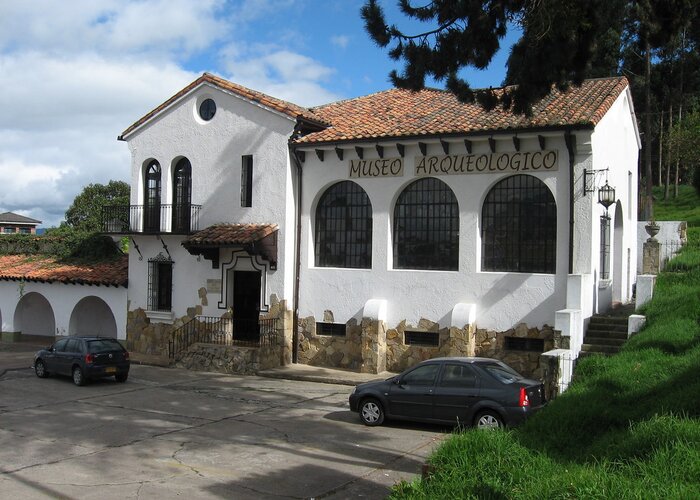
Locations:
256 239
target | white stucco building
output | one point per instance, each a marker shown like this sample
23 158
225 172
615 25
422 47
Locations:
383 229
41 297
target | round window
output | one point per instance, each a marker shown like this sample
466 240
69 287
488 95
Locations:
207 109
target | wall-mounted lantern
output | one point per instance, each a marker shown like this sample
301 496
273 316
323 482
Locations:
606 195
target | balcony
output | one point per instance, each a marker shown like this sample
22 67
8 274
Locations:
142 219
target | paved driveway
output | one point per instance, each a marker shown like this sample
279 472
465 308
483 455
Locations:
169 432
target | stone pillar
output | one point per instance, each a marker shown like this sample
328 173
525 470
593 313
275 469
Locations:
283 316
373 346
373 336
651 257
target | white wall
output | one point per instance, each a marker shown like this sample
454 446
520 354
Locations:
62 299
615 146
214 149
502 299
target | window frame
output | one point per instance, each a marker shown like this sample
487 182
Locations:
152 196
426 208
343 227
519 227
160 284
247 181
182 195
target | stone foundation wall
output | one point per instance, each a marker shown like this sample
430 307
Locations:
372 348
490 344
146 337
328 350
228 359
452 342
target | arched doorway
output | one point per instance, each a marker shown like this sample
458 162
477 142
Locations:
34 316
92 316
620 293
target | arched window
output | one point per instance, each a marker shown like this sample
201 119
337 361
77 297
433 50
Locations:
182 194
152 197
344 227
519 227
426 227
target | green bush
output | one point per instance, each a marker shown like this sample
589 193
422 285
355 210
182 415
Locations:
62 244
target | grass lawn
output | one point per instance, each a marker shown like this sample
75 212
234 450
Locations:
629 425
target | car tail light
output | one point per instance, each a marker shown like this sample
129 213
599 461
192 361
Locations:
524 400
126 355
89 358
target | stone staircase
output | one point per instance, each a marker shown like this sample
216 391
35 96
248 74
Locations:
606 333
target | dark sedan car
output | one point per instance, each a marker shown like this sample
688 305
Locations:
482 392
84 358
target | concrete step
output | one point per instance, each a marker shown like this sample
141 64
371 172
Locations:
619 320
604 325
604 349
594 340
608 334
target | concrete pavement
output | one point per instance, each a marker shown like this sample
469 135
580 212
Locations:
172 432
18 355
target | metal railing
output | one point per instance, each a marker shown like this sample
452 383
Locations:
134 219
223 331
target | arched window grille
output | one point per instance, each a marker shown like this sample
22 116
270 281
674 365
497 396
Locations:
519 227
182 196
344 227
426 227
152 197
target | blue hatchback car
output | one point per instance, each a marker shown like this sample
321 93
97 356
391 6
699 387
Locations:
481 392
83 359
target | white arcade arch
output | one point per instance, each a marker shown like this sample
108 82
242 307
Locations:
34 316
92 316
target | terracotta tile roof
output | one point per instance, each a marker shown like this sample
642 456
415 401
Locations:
17 219
404 113
284 107
229 234
47 269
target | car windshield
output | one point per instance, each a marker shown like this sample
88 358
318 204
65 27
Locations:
103 345
503 373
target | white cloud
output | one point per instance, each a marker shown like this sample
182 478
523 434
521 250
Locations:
341 41
74 74
280 73
110 26
61 119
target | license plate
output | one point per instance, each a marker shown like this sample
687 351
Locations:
111 369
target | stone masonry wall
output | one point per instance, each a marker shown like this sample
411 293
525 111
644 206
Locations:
490 344
362 347
328 350
146 337
227 359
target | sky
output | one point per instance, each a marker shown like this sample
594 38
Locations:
75 73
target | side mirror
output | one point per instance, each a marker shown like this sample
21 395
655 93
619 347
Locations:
396 381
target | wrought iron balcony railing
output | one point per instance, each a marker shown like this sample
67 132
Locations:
144 219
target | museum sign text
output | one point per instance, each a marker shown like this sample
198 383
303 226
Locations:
484 163
530 161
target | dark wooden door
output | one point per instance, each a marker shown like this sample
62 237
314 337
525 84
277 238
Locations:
246 305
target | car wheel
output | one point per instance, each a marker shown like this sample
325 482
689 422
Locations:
121 377
78 376
40 369
371 412
488 419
